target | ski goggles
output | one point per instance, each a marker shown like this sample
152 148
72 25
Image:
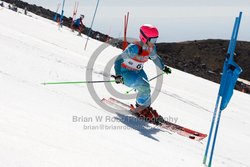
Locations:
152 40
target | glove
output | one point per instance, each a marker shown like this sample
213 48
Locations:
118 79
167 70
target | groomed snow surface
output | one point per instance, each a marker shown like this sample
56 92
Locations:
37 126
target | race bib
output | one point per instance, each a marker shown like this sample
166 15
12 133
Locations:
133 64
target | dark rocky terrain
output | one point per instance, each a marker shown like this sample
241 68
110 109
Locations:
203 58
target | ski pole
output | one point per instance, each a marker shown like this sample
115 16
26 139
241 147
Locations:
156 76
74 82
149 81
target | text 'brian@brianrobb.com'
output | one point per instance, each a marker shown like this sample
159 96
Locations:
113 123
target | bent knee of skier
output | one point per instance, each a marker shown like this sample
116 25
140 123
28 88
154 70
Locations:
143 96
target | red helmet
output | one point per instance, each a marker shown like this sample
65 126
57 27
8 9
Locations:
149 33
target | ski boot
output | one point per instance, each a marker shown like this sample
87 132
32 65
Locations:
147 114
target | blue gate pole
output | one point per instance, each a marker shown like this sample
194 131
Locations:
230 52
215 136
211 129
238 19
55 17
217 101
91 25
231 44
61 18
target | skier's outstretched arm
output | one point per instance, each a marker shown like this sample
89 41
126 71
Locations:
157 59
159 62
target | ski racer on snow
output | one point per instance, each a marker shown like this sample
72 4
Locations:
129 69
78 24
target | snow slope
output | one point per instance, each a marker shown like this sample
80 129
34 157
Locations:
36 121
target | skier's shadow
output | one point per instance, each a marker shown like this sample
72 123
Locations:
137 124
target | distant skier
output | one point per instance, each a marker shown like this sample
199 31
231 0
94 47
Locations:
78 24
129 69
25 11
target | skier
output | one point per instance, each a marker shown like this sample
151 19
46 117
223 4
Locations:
129 69
78 25
25 11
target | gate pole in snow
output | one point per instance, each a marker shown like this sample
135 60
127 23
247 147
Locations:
125 42
55 17
231 72
211 129
61 18
74 14
90 29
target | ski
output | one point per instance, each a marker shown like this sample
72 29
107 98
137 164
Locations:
183 131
